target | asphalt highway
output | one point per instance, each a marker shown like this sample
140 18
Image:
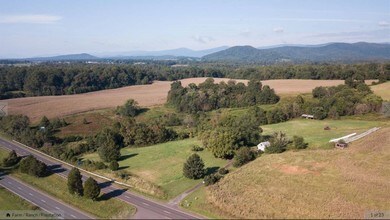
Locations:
146 208
40 199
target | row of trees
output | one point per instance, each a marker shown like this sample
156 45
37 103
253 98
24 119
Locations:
60 79
209 95
90 189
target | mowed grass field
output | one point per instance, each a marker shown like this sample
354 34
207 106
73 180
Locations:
145 95
383 90
310 183
314 133
162 164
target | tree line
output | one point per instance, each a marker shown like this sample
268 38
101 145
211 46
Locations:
73 78
210 96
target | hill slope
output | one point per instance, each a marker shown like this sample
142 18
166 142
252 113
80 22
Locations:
329 52
310 183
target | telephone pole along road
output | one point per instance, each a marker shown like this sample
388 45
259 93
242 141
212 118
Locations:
146 208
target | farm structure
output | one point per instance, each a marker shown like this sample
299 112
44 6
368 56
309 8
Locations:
343 141
263 145
307 116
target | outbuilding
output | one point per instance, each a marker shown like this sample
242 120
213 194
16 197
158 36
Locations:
263 145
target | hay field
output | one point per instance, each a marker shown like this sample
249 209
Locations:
310 183
145 95
383 90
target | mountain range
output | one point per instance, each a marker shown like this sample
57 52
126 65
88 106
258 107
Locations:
330 52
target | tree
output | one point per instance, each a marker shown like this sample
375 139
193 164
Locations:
130 108
33 167
91 189
194 167
278 143
298 143
44 122
109 145
11 160
114 165
243 156
211 179
75 182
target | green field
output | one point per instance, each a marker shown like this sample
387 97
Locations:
383 90
162 164
314 133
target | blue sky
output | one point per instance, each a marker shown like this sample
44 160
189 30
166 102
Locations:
50 27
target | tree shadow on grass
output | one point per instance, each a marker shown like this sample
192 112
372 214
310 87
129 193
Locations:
123 167
124 157
112 194
211 170
56 168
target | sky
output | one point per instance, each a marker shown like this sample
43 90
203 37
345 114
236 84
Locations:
51 27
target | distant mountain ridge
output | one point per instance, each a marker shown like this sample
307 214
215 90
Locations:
68 57
179 52
360 51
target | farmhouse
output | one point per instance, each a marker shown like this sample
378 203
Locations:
307 116
263 145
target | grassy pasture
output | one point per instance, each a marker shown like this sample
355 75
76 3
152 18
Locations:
314 133
310 183
162 164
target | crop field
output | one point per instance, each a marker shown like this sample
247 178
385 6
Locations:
162 164
146 95
383 90
310 183
314 133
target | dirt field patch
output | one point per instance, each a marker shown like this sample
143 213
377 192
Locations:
145 95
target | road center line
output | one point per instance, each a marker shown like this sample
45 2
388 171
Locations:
146 204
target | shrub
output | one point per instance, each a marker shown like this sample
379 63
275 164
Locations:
299 143
243 156
130 108
114 165
279 142
223 171
30 165
211 179
11 160
91 189
194 167
75 182
196 148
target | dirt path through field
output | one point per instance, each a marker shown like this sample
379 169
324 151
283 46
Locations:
145 95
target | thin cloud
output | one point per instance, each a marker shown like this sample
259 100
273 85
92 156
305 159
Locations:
278 30
30 19
384 24
202 39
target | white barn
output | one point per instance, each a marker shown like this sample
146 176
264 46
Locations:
263 145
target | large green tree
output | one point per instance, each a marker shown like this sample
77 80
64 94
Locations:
193 168
91 189
33 167
75 182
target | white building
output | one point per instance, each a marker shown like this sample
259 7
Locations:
263 145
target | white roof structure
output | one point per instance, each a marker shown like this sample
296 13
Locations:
263 145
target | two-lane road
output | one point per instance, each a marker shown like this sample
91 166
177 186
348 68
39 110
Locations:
146 208
41 199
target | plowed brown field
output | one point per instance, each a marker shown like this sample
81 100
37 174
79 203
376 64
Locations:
145 95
